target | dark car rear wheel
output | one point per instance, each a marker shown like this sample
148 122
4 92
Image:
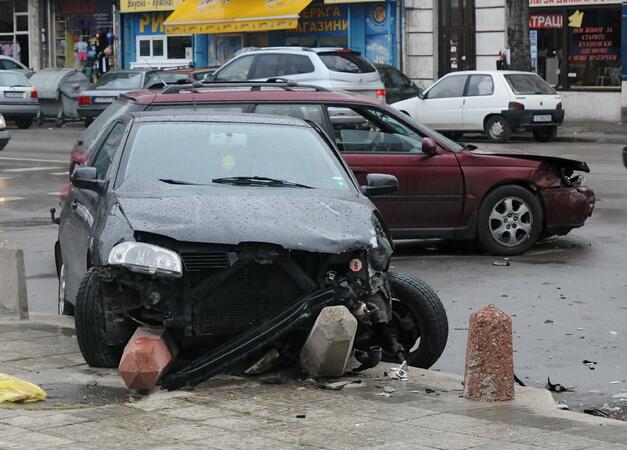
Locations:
419 319
90 325
497 129
510 221
545 134
23 124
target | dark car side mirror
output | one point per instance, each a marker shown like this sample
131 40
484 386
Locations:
87 178
380 184
429 147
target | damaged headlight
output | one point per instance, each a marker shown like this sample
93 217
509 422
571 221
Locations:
146 258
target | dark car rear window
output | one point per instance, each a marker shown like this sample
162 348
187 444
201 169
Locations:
346 62
529 84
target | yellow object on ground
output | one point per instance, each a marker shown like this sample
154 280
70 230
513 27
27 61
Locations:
15 390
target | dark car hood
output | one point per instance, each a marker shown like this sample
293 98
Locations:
564 162
301 219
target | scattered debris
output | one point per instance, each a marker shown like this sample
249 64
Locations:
596 412
355 384
558 387
399 373
266 363
15 390
429 390
389 389
301 416
613 333
548 321
382 394
562 405
589 363
519 381
272 378
503 263
336 386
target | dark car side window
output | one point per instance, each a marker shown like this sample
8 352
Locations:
110 145
449 87
480 85
297 64
398 79
237 70
370 130
267 66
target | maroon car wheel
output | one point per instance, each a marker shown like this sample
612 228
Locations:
510 221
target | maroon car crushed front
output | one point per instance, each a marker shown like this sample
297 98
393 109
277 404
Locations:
505 200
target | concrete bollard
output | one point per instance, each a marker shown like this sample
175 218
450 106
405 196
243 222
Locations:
13 294
489 372
146 358
330 343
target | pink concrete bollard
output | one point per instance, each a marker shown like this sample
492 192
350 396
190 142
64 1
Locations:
489 373
146 358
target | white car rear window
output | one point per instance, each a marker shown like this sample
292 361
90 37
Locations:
529 84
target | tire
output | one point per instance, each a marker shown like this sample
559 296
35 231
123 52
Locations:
90 324
497 129
414 299
64 308
545 134
88 121
510 221
23 124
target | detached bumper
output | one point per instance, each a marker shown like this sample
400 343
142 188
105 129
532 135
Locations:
567 208
5 137
533 117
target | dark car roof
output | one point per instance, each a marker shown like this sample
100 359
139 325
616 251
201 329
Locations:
243 94
200 116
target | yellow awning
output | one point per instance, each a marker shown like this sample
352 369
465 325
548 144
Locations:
234 16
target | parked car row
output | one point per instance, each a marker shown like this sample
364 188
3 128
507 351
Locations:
18 98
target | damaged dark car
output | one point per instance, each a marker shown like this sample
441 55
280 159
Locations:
232 233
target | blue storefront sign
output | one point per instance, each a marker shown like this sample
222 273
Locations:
380 33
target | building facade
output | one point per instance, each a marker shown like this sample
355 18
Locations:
20 37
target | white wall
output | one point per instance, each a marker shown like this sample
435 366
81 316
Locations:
591 106
420 41
490 35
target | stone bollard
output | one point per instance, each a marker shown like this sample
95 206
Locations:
146 358
13 295
330 343
489 373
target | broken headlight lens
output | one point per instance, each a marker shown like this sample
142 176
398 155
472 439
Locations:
146 258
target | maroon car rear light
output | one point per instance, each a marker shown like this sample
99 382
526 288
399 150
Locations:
355 265
516 105
559 106
84 100
34 95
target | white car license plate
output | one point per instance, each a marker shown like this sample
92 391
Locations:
543 118
9 94
104 99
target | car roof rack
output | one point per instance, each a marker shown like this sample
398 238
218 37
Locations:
274 83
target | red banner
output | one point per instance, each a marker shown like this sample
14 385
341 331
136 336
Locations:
542 21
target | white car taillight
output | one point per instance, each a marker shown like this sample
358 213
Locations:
380 95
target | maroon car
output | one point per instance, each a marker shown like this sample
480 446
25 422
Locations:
505 200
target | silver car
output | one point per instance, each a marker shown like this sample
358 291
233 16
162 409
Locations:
109 87
18 98
327 67
8 63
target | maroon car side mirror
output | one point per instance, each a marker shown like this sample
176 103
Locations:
429 147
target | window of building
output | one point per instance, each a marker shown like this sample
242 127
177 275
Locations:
14 30
456 36
164 47
577 48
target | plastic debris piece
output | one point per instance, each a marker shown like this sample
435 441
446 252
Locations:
596 412
503 263
301 416
613 333
399 373
382 394
15 390
338 385
389 389
562 405
589 363
558 387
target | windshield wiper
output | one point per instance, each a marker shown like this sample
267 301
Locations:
169 181
260 181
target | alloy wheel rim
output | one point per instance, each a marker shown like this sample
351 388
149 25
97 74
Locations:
510 221
61 295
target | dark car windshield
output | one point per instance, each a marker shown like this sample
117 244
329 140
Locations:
13 79
346 62
529 84
120 80
264 155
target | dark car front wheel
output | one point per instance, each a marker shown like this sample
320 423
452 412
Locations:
90 323
23 124
419 320
510 221
545 134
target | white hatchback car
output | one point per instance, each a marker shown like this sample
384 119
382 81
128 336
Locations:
493 102
330 68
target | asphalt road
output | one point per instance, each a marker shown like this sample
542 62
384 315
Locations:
567 296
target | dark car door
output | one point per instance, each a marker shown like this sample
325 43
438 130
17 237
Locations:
402 87
431 187
79 212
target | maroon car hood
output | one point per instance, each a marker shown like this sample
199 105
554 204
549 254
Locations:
564 162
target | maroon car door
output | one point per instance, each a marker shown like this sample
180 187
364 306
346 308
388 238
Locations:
431 187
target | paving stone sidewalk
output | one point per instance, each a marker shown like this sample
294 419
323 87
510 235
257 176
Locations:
90 408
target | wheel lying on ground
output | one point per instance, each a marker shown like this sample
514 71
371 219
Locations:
23 124
497 129
90 319
545 134
420 319
510 221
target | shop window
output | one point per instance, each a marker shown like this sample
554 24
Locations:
448 87
480 85
157 47
144 48
161 47
21 22
177 46
21 5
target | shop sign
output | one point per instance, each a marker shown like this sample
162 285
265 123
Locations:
378 20
592 43
572 2
77 7
128 6
332 2
151 23
543 21
325 20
